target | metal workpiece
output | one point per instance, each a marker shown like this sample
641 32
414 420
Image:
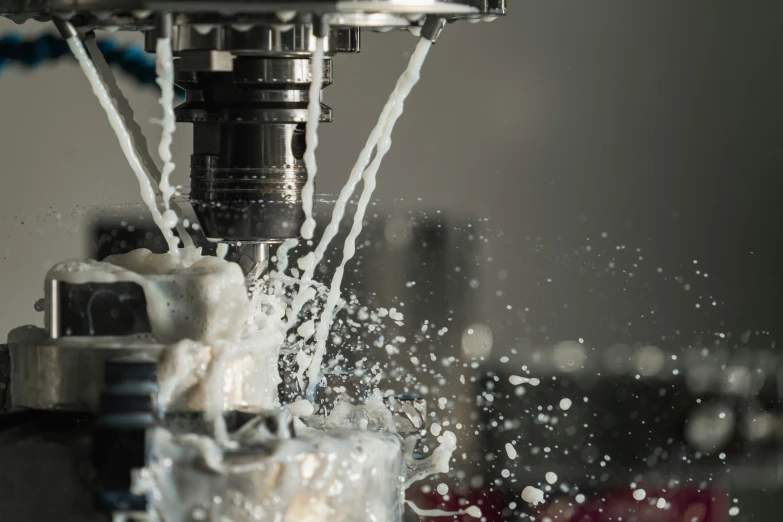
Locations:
278 425
96 309
5 375
129 396
100 332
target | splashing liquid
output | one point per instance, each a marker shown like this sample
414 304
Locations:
164 66
311 136
207 360
123 136
309 262
404 86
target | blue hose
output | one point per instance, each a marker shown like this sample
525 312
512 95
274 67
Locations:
30 54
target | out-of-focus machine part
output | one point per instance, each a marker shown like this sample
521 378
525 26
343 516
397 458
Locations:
83 391
246 69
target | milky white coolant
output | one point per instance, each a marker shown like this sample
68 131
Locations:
222 347
222 350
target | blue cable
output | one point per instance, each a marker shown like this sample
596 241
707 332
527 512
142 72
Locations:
31 54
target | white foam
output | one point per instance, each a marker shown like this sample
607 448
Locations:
395 315
306 329
437 462
222 349
282 254
338 212
551 477
223 345
511 451
639 494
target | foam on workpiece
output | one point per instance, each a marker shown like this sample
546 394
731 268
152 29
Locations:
124 138
404 86
222 342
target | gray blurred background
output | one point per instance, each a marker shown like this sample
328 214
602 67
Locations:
599 138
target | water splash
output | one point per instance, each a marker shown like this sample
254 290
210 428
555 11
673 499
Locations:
404 86
311 137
